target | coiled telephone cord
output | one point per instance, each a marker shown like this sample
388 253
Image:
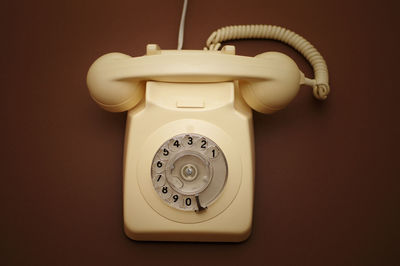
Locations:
320 83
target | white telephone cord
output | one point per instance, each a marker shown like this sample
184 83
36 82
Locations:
182 25
321 82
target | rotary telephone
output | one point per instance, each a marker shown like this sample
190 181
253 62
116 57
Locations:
189 144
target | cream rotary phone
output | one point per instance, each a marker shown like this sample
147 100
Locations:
189 145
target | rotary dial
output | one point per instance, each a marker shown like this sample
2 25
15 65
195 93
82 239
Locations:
189 171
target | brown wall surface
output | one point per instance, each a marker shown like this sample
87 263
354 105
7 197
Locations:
327 173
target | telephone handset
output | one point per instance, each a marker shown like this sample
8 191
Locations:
189 151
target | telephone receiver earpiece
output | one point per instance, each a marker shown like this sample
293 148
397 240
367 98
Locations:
278 89
110 92
268 82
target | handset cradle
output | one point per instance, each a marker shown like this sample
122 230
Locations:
269 81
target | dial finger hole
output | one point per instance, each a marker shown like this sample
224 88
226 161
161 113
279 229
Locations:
164 153
189 140
159 166
158 180
212 152
188 203
177 200
165 192
174 144
202 144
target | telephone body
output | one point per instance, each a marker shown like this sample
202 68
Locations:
189 145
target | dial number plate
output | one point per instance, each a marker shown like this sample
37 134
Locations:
189 171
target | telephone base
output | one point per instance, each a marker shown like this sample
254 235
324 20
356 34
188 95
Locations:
215 111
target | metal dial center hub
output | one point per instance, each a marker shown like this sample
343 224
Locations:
189 172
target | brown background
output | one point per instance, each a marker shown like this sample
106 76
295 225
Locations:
327 174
